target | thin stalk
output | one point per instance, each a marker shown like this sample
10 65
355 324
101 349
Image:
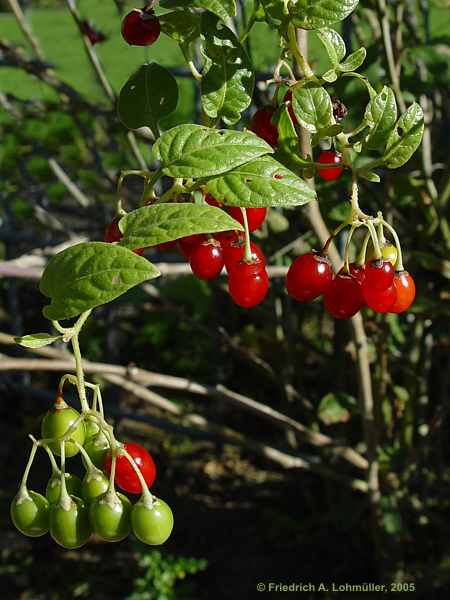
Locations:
248 248
399 263
23 483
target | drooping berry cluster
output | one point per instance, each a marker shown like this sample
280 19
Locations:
375 284
73 509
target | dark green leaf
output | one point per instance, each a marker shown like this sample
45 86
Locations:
148 96
181 25
335 408
222 8
312 107
334 44
405 138
196 151
288 151
227 78
380 116
90 274
261 183
151 225
315 14
274 10
37 340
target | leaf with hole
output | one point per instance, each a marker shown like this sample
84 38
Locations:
316 14
224 9
312 107
193 151
405 138
227 78
90 274
151 225
148 96
334 44
263 182
380 116
37 340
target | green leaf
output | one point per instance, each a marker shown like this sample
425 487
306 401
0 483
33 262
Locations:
181 25
353 61
90 274
224 9
312 107
330 76
37 340
288 144
371 176
334 44
405 138
197 151
227 78
261 183
380 116
151 225
335 408
148 96
316 14
274 11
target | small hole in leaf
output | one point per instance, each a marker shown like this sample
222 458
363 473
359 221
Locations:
133 87
400 131
278 176
383 97
248 179
116 280
161 102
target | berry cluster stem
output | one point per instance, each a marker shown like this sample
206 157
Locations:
248 248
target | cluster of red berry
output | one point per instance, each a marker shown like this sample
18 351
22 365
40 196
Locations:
375 284
262 124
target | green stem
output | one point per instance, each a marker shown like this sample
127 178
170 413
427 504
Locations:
399 264
90 467
347 247
361 260
342 226
298 56
78 361
376 245
51 457
248 248
23 483
380 228
64 499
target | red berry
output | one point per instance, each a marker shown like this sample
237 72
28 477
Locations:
309 276
165 246
378 275
112 232
344 297
255 216
406 292
288 98
206 259
188 243
234 253
330 157
125 476
228 237
212 201
356 271
248 284
262 125
140 28
380 301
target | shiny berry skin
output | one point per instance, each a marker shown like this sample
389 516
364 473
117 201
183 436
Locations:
381 301
126 477
206 259
69 525
53 489
309 276
255 216
229 237
140 28
30 513
188 243
388 251
330 157
261 124
95 484
152 524
56 423
109 515
288 98
248 284
406 292
379 275
97 448
344 297
356 271
234 253
112 232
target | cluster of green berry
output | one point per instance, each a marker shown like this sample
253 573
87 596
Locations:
73 509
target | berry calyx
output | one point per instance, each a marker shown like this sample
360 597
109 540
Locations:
125 476
379 275
234 253
330 157
406 292
255 216
344 297
261 124
140 28
356 271
388 252
248 284
206 259
381 301
309 276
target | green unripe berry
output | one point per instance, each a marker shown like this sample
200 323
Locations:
56 424
53 489
30 513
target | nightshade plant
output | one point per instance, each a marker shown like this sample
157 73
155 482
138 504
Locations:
210 185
